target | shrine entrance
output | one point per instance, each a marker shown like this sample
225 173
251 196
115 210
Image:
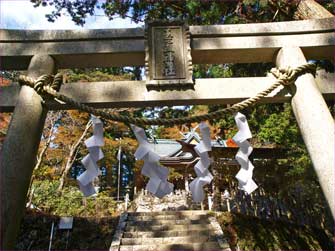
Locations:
167 50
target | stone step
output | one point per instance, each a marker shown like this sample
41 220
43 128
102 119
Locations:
176 227
183 212
167 217
168 222
167 240
207 246
172 233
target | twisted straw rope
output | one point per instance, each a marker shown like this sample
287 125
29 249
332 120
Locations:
50 85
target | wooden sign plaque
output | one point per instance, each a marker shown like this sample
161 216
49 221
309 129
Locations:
168 61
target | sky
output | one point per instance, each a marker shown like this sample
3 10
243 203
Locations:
20 14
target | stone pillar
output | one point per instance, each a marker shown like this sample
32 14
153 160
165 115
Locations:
311 9
19 152
315 122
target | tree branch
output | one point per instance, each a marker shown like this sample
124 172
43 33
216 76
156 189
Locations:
72 155
41 155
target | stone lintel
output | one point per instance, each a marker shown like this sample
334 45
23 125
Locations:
134 93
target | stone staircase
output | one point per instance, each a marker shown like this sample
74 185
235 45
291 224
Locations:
168 230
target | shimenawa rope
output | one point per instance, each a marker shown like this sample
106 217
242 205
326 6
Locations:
50 85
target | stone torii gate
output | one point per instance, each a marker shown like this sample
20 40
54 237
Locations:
43 52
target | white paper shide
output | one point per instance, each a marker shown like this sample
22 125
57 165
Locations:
244 176
157 174
93 144
204 177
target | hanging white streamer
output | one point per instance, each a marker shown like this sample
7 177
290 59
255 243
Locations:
157 174
204 177
244 176
93 144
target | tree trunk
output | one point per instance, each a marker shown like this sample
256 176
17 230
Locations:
310 9
72 156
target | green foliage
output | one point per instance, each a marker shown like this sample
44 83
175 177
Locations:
10 75
231 70
260 234
97 74
88 233
70 202
280 128
174 175
329 5
220 71
169 112
194 11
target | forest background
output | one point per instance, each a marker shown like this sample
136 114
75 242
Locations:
54 189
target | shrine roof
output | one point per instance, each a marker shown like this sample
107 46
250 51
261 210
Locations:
170 147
